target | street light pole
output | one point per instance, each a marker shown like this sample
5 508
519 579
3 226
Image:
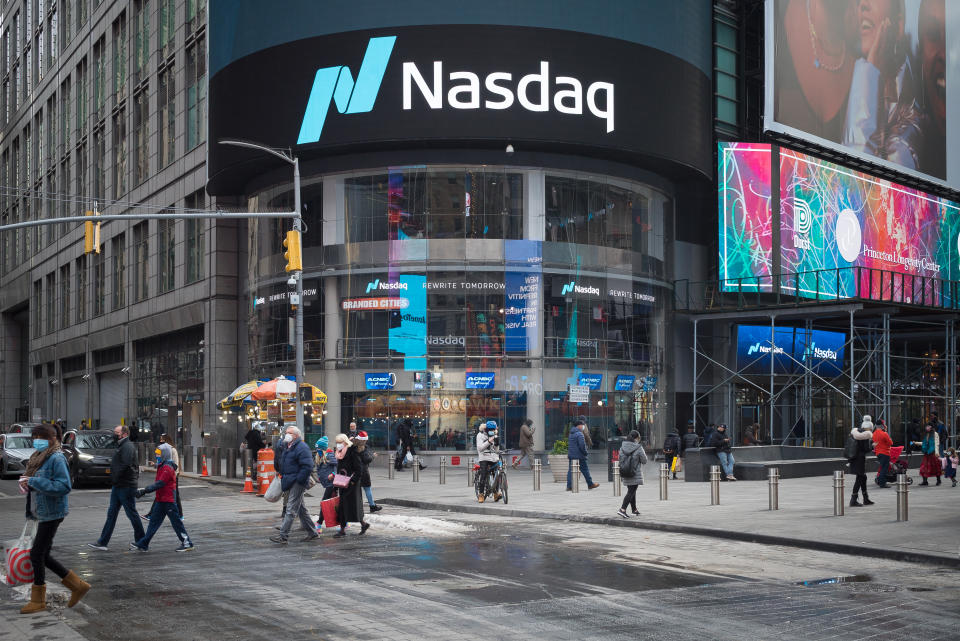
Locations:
288 157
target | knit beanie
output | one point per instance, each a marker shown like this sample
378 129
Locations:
322 443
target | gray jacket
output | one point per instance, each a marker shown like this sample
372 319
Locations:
634 450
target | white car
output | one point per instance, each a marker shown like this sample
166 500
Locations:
15 449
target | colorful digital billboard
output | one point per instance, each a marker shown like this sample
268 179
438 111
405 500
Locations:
830 219
793 349
876 79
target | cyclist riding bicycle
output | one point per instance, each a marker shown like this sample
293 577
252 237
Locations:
488 456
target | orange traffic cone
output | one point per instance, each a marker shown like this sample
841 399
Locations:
204 472
248 484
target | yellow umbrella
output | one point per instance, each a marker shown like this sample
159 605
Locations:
237 397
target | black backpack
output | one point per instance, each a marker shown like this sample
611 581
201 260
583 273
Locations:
850 449
628 465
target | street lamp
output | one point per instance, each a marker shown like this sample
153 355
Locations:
287 156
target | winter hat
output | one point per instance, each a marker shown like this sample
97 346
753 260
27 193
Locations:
867 424
362 436
166 452
322 443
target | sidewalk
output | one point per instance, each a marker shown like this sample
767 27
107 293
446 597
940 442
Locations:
805 518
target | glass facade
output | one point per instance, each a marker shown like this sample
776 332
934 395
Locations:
455 295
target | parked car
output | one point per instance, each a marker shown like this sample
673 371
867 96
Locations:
22 428
15 449
89 453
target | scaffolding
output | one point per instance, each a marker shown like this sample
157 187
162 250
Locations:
899 364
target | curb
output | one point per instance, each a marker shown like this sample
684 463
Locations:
746 537
213 480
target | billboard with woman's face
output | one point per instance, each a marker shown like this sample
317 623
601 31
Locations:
871 78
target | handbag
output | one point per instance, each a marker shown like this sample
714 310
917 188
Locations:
341 480
18 566
313 480
274 491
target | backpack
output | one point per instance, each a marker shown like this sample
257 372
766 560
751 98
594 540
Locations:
628 465
850 449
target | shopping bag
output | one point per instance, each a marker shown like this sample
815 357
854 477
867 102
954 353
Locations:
274 491
328 510
16 553
677 465
673 466
408 459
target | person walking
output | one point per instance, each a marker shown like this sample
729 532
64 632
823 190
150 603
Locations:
526 443
175 457
577 450
862 438
689 439
881 447
165 485
46 481
296 464
721 441
367 456
930 465
124 473
671 450
350 507
326 462
632 458
941 431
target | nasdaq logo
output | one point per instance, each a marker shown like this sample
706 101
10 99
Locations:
567 287
763 349
812 351
573 288
337 84
375 285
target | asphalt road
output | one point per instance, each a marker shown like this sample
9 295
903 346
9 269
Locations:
423 576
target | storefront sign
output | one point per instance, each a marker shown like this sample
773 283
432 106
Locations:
480 380
380 380
351 304
578 393
624 383
591 381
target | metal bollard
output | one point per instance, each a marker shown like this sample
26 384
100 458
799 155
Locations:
576 475
902 498
838 500
391 468
231 471
537 467
470 472
443 470
416 468
664 480
616 478
714 485
773 487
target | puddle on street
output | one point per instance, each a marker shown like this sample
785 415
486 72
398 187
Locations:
855 578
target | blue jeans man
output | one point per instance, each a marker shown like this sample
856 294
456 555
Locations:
884 461
125 497
583 468
726 462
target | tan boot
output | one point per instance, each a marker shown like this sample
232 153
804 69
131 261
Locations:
77 586
38 600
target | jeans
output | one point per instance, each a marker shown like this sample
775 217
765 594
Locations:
486 469
40 552
584 468
884 461
369 492
726 461
159 511
859 485
630 499
126 497
295 507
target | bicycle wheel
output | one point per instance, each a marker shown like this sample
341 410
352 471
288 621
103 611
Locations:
503 488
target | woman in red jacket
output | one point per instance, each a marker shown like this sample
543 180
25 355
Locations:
165 486
881 447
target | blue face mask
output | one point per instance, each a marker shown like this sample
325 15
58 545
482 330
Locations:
40 444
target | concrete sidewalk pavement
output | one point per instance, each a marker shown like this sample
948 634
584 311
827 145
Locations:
805 518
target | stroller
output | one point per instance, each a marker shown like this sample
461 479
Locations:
898 465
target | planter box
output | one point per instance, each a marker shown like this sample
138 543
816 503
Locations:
559 466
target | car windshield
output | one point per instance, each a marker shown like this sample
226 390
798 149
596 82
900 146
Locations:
19 442
96 441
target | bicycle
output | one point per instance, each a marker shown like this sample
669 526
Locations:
498 480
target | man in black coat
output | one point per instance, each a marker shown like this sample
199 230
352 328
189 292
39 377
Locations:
671 449
863 438
124 473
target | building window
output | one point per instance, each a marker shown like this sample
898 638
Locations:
140 266
81 111
120 59
65 296
141 151
196 14
35 306
83 11
99 77
65 207
141 53
194 240
99 284
80 269
53 25
99 164
166 254
119 154
725 72
51 302
65 106
119 252
196 92
66 24
166 115
167 27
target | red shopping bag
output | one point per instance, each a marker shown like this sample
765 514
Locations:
18 567
328 509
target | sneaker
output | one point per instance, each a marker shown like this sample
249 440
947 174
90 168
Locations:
279 539
145 517
731 477
364 527
136 548
593 486
623 514
636 513
97 546
375 508
184 547
309 538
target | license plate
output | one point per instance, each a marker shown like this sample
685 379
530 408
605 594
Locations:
106 471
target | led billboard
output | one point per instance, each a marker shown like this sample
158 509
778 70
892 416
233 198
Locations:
877 79
793 350
828 219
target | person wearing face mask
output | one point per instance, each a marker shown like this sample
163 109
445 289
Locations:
165 486
124 473
930 465
295 465
351 499
47 483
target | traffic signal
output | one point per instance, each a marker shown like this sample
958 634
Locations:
292 244
91 236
